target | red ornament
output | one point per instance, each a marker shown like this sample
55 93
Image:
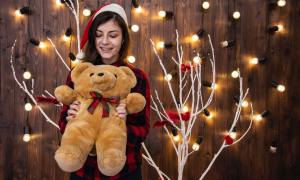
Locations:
184 68
41 99
228 140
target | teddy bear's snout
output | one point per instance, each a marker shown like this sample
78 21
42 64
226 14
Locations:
100 74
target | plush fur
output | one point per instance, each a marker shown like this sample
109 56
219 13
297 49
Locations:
108 134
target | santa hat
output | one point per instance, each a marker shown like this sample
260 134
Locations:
110 7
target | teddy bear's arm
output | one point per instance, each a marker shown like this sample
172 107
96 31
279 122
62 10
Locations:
65 94
135 102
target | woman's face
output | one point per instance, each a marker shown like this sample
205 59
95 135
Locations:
108 41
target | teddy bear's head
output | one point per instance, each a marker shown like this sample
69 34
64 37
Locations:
107 80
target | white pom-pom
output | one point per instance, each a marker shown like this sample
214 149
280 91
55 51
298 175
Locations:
80 55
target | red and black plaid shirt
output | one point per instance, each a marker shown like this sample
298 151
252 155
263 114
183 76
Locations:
137 130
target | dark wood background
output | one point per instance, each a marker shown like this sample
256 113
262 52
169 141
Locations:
250 159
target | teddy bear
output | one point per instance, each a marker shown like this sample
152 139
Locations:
99 89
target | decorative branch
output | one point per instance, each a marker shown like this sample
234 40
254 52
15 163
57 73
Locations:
59 55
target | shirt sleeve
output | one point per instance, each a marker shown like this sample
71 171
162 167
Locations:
62 122
138 124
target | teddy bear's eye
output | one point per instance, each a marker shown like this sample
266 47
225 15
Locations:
91 74
116 76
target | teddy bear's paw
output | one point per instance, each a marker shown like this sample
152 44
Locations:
112 162
69 158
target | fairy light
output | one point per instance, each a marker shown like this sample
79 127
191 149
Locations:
135 28
279 87
185 109
233 133
235 74
259 117
162 14
205 5
86 12
226 44
245 104
28 106
197 60
161 44
236 15
196 145
23 11
58 3
176 136
280 27
42 45
27 75
273 146
196 36
281 3
139 9
275 28
131 59
26 135
168 77
67 35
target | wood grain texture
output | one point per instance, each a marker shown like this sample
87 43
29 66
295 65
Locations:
250 159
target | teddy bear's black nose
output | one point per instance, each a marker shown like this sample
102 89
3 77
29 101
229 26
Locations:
100 74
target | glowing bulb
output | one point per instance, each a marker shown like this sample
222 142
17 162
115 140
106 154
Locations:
66 38
131 59
197 60
195 37
185 109
205 5
18 13
280 88
28 107
214 86
280 27
42 45
135 28
281 3
138 9
161 44
254 61
162 14
26 75
168 77
236 15
258 117
245 103
59 3
196 147
233 134
86 12
176 138
235 74
26 137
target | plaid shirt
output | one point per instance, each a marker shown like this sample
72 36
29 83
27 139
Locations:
137 130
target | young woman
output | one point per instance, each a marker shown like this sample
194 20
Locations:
107 41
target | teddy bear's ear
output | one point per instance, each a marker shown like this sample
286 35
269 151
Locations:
130 74
79 69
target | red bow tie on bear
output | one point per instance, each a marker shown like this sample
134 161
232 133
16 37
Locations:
99 99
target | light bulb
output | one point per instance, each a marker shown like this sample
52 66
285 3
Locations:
135 28
66 38
205 5
236 15
195 37
280 27
162 14
185 109
42 45
197 60
233 134
258 117
254 61
245 103
176 138
161 44
235 74
196 147
86 12
168 77
18 13
28 106
58 2
26 75
281 3
26 137
280 88
131 59
214 86
138 9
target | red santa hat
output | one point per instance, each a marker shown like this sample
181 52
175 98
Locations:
110 7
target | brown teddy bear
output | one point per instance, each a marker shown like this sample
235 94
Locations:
99 89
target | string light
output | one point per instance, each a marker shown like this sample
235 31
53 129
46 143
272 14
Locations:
165 14
197 60
236 15
135 3
38 43
273 147
26 135
257 60
23 11
245 104
281 3
196 145
131 59
67 35
162 45
207 113
168 77
176 136
235 74
185 109
27 75
275 28
86 12
28 106
226 44
59 3
196 36
209 84
260 117
233 133
279 87
205 5
135 28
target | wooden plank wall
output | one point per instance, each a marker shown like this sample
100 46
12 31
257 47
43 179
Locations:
249 159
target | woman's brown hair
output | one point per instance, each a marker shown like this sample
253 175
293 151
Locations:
91 54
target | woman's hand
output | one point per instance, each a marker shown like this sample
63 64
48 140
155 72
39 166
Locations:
121 110
73 110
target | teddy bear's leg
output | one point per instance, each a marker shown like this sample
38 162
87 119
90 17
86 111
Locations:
111 146
76 143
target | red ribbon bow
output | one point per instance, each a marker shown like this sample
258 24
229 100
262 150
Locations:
99 99
174 117
185 68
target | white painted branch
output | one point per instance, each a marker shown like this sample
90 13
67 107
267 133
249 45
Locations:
59 55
